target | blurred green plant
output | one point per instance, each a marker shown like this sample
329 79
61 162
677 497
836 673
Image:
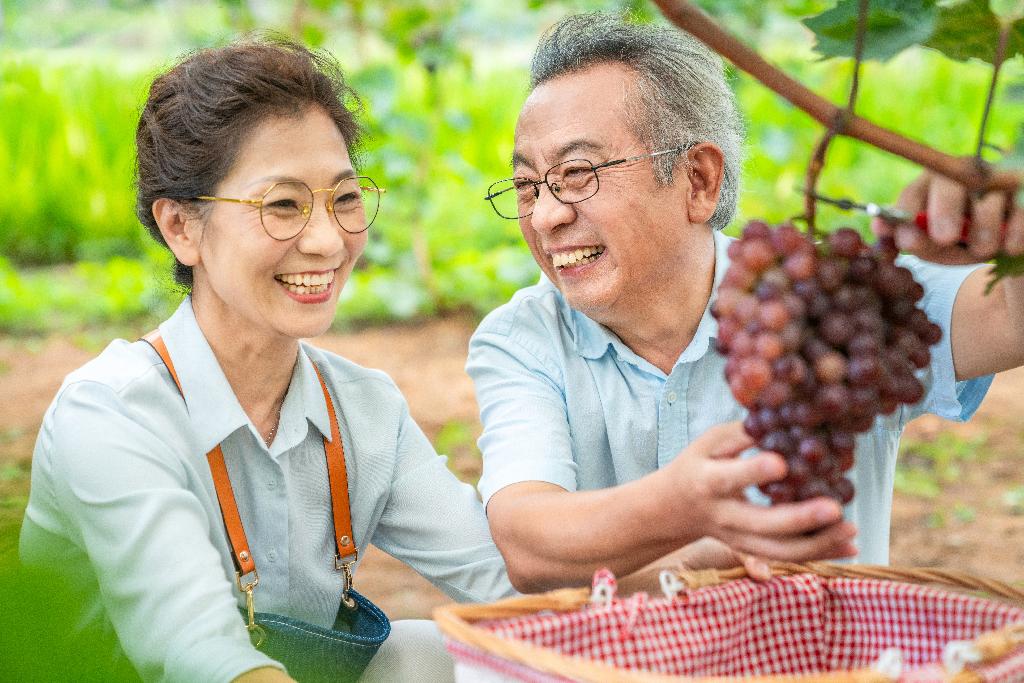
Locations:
440 110
66 136
80 295
924 467
457 440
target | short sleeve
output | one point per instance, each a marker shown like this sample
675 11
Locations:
944 395
526 435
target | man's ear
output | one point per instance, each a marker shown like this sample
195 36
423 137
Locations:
179 229
704 168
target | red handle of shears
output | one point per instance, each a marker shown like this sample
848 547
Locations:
921 221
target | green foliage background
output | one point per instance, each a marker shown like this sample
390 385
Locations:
442 82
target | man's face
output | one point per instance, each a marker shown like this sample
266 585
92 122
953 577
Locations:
614 250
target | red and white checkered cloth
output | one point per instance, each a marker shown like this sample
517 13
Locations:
790 625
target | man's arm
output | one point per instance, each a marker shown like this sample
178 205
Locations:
551 537
999 315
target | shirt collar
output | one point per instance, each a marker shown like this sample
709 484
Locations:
313 408
593 339
707 328
213 409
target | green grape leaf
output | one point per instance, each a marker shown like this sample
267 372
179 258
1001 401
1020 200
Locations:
893 26
1005 266
969 29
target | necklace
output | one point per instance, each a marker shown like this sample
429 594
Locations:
269 438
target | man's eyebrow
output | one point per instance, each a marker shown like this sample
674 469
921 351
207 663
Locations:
519 160
571 147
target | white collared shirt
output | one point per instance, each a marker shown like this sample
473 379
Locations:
563 400
122 501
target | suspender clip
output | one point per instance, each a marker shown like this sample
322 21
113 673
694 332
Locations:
345 566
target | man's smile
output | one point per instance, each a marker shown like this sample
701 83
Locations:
577 256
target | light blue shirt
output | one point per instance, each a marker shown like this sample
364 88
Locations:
564 401
122 501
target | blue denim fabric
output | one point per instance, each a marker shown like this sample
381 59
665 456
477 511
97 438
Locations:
313 654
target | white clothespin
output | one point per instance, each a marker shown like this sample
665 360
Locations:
890 663
957 654
671 585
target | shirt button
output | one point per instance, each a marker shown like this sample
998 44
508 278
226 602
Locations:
272 556
271 483
671 397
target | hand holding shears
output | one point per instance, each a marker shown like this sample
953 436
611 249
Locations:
935 221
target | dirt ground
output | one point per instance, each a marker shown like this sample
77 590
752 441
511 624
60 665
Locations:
975 522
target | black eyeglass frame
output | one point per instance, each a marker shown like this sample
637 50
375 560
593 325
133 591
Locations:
491 195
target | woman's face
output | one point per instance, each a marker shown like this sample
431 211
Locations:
246 280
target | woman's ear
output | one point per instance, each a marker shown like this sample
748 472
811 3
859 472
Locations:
179 229
705 167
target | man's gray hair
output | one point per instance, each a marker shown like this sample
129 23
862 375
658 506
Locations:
682 95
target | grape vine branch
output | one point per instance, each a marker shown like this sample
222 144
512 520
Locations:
975 174
817 162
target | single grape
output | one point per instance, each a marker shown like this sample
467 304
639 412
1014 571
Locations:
846 242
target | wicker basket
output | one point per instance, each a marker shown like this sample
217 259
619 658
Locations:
813 622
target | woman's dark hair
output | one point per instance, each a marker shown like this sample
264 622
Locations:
199 112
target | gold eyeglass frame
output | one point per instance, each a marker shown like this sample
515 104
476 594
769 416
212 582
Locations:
307 209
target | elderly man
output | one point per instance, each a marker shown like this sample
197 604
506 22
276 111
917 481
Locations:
610 436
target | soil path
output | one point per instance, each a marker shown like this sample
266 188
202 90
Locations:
975 524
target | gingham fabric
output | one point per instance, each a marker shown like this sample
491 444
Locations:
789 625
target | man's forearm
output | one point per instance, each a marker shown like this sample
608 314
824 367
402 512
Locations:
1000 313
553 538
1014 292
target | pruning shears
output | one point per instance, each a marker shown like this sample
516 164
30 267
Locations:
891 215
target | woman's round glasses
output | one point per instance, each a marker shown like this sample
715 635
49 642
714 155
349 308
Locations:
285 208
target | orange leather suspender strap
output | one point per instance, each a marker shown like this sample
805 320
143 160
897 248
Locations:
229 510
154 340
334 452
337 476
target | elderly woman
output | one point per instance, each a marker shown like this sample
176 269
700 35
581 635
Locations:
154 456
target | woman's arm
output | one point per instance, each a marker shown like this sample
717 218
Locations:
130 504
436 524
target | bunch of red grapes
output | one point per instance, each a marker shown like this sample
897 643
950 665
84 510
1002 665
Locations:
819 340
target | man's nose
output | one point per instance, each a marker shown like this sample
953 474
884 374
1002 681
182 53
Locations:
548 212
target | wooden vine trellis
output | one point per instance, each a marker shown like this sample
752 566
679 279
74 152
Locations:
977 175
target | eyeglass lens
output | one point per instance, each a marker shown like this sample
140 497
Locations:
570 182
287 206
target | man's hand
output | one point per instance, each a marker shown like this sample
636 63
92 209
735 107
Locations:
997 227
946 203
710 480
552 538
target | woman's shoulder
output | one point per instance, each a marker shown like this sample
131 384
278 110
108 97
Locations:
109 403
344 375
119 365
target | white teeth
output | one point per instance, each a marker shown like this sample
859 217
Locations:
307 279
307 283
572 258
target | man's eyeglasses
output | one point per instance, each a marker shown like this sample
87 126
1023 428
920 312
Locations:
570 182
285 207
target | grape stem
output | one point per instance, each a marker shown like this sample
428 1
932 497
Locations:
838 125
997 63
965 170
